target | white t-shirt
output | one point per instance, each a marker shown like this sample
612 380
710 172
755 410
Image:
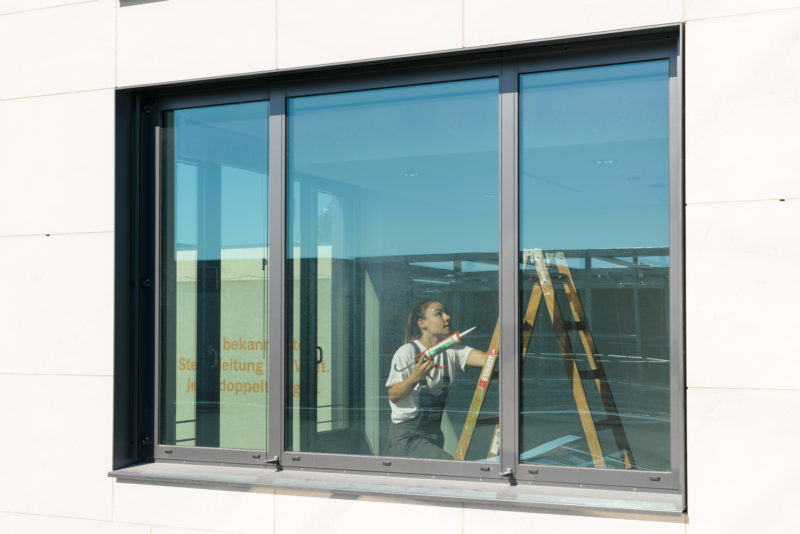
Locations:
407 407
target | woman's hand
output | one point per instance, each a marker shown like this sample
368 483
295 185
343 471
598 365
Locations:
402 389
421 369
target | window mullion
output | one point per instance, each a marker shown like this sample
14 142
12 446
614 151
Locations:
509 264
276 264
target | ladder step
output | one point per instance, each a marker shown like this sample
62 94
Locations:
488 420
573 325
589 374
608 422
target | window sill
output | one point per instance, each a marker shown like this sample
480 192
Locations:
594 501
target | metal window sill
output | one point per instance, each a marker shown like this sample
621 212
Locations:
643 504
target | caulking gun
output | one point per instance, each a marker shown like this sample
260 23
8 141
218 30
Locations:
430 352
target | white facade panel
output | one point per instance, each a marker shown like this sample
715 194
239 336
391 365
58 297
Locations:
58 304
489 22
361 516
482 520
187 39
57 50
314 32
195 508
47 185
702 9
37 524
173 530
15 6
742 107
743 478
742 289
56 445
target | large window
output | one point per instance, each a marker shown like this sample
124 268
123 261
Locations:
303 245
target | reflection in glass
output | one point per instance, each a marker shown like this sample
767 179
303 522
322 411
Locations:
594 239
392 200
214 277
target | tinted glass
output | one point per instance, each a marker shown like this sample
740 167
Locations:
392 201
594 239
214 277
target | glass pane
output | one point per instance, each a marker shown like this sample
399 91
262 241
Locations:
594 239
214 277
392 201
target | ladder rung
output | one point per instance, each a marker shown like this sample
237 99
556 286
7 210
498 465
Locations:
573 325
555 277
488 420
589 374
608 422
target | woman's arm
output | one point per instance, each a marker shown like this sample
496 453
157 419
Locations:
401 390
476 358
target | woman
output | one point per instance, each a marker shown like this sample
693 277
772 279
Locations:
418 391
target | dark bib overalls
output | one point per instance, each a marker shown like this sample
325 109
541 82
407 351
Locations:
422 437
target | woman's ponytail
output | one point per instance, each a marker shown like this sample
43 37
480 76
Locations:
412 327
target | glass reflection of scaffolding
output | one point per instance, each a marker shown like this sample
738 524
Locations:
549 423
596 372
630 288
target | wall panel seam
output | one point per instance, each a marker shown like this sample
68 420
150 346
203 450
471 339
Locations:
67 4
59 234
743 201
45 95
742 14
59 375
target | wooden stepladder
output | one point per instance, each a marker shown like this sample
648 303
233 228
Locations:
545 289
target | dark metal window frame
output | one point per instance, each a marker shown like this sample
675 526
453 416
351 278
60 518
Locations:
138 115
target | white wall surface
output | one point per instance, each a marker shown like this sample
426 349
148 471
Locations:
16 6
161 41
504 21
60 61
741 479
743 257
202 509
742 251
60 151
703 9
362 29
61 320
56 445
742 111
62 49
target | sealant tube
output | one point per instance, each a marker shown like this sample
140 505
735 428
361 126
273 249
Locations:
446 343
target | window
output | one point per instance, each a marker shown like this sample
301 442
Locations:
594 208
213 277
391 201
285 238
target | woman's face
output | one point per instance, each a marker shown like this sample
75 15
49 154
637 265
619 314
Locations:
436 321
